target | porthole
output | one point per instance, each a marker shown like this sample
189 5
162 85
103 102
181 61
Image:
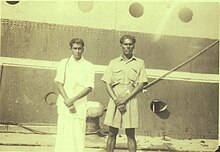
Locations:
136 10
12 2
185 14
85 6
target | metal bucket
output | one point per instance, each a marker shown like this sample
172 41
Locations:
92 125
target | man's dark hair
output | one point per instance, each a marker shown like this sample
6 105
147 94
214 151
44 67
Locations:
76 41
124 37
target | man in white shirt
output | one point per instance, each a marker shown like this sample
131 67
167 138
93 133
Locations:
75 80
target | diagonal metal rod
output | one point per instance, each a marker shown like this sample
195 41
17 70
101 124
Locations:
180 65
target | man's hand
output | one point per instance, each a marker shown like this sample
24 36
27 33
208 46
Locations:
68 102
122 108
119 102
70 105
72 109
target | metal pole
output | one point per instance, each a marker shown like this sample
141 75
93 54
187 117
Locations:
180 65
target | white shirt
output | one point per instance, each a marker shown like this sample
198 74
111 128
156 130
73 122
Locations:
76 76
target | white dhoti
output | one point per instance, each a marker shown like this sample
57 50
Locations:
71 129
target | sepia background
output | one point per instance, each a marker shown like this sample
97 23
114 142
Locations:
35 36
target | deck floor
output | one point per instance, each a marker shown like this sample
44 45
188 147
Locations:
17 140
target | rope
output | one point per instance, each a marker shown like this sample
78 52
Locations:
27 128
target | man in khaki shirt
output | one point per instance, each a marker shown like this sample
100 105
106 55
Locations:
124 78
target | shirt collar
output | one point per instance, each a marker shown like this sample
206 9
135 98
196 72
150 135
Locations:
120 58
82 59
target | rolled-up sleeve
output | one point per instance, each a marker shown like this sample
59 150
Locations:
143 75
107 77
60 72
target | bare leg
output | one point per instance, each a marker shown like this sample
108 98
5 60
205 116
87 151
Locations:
132 144
111 139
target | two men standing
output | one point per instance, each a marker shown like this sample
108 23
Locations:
124 78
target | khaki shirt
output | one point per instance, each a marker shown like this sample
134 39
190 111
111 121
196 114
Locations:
120 71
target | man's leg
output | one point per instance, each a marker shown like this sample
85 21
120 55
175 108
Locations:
132 145
111 139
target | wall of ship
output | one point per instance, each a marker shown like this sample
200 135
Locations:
35 36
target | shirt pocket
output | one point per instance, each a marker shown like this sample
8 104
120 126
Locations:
118 75
133 75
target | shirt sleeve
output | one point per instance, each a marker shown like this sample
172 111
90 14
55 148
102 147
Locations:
143 75
107 77
60 72
91 77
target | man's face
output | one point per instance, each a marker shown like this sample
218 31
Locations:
77 51
127 47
